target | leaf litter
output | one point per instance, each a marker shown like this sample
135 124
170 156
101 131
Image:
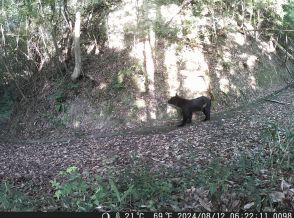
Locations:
225 136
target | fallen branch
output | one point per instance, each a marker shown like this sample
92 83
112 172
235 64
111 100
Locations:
283 49
260 30
274 101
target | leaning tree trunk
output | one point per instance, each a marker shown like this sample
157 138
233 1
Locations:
77 71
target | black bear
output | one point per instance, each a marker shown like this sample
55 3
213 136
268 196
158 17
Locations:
189 106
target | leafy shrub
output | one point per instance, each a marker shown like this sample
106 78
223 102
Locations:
6 104
58 97
280 141
60 117
138 188
216 176
13 200
166 32
60 120
80 194
150 192
121 78
289 15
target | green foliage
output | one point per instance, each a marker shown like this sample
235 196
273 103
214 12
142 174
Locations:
120 197
219 176
6 104
72 193
60 120
280 141
13 200
246 171
116 85
165 31
137 187
289 13
150 192
166 2
198 7
215 176
59 97
251 163
288 20
120 79
227 65
80 194
60 117
261 13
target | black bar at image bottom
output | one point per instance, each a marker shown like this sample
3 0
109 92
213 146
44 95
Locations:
150 214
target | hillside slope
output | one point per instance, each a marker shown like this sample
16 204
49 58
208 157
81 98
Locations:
143 54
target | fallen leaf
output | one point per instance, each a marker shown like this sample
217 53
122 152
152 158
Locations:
284 185
235 204
248 206
277 196
291 192
205 205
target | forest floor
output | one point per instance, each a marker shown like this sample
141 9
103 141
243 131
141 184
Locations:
38 161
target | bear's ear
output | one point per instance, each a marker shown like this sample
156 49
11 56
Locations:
176 94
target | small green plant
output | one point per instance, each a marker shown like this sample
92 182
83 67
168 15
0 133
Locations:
71 86
60 120
59 98
13 200
246 172
215 176
251 185
250 163
60 117
60 95
118 82
150 192
6 105
280 141
121 79
227 65
166 32
73 193
84 194
120 197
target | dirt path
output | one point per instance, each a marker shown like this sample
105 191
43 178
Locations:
224 136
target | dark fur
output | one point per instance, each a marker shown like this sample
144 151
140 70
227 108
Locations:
189 106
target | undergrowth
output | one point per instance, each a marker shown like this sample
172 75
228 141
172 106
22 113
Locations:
13 200
58 116
252 178
7 101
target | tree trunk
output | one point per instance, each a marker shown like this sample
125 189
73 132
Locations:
77 71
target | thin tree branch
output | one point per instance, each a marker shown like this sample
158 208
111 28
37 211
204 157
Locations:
259 30
284 50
